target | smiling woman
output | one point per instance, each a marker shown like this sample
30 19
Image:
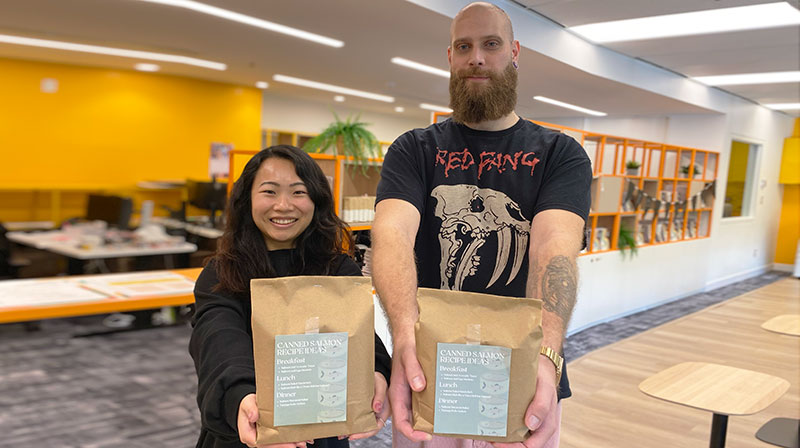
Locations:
280 221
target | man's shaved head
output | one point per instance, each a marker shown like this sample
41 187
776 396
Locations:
482 7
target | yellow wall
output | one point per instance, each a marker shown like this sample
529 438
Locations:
789 227
737 172
113 128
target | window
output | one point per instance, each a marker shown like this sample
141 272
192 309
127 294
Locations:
741 180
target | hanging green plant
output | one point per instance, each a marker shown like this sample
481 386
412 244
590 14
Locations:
349 138
626 242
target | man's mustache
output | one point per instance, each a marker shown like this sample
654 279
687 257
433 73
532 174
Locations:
475 71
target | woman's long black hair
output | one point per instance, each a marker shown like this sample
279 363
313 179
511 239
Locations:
242 253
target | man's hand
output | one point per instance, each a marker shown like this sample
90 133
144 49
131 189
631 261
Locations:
379 406
406 375
542 416
246 423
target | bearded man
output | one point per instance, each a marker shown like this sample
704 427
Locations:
447 194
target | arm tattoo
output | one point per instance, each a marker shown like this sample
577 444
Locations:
559 287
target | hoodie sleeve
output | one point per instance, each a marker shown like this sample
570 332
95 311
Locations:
221 346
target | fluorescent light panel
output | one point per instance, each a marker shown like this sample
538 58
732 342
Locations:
399 109
143 67
249 20
749 78
436 108
768 15
262 84
421 67
121 52
332 88
544 99
783 106
338 98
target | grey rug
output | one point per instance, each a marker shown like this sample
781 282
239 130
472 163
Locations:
137 389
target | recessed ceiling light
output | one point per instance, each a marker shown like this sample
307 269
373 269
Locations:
399 109
783 106
749 78
768 15
544 99
262 84
436 108
332 88
338 99
144 67
250 20
421 67
121 52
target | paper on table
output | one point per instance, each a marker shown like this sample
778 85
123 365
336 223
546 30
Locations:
44 292
143 284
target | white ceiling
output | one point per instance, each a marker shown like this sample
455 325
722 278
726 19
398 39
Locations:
374 31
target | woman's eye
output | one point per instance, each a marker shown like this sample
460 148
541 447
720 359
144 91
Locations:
301 192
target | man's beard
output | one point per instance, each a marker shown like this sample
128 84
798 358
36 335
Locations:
476 103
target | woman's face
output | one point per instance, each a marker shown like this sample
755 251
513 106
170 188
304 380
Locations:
282 208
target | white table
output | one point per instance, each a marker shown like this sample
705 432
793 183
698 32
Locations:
66 244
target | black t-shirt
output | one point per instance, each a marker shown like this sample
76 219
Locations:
222 349
477 193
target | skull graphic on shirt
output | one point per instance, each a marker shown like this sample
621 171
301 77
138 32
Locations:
469 216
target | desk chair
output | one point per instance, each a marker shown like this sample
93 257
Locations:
9 264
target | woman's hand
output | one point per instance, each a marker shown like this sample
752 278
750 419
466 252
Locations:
380 406
246 425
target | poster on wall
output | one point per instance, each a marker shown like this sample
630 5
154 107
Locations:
218 161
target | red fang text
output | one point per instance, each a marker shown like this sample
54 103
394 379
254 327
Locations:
489 160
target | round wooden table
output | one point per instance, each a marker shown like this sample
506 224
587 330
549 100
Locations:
722 390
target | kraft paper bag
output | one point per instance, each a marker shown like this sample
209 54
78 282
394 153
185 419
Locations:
480 355
314 347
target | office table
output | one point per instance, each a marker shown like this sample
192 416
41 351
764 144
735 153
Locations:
719 389
784 324
64 243
55 307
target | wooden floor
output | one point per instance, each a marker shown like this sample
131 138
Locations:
608 410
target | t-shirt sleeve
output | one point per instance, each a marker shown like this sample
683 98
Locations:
222 350
403 171
567 179
383 362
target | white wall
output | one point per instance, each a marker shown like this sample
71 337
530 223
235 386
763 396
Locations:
301 115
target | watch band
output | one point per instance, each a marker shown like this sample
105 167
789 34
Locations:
557 360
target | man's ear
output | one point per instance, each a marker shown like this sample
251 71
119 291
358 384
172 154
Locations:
515 52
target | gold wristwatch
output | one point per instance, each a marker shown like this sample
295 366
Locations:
558 361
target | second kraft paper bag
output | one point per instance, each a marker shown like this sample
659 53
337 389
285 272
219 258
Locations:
480 354
314 347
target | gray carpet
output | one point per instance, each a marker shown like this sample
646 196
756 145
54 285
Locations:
137 389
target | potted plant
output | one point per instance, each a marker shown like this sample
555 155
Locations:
348 138
689 171
632 167
626 242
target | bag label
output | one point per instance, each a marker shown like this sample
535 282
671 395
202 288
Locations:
472 389
310 378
